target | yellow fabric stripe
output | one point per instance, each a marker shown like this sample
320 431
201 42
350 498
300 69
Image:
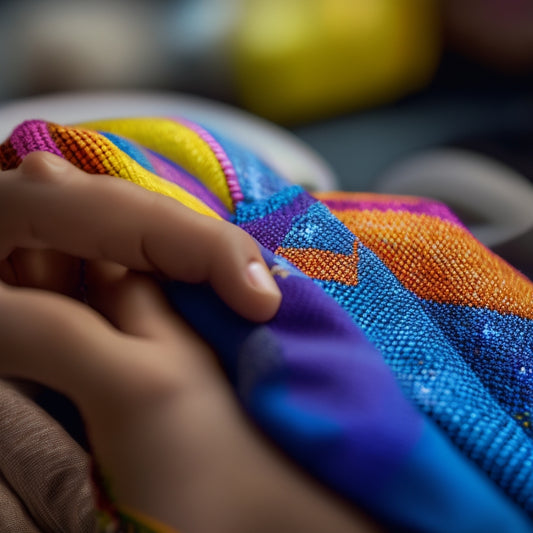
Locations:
119 164
175 142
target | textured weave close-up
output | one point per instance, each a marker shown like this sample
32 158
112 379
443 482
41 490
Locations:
398 371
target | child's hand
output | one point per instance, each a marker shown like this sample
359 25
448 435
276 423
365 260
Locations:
47 204
164 424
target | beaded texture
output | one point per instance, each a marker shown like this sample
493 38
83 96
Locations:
398 370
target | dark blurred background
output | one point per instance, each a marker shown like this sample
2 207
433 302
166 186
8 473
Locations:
363 82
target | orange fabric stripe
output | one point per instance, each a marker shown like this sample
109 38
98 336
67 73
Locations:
366 197
322 264
93 153
440 261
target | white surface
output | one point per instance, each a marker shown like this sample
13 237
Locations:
501 199
289 156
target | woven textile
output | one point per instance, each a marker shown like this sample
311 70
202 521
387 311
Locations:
398 370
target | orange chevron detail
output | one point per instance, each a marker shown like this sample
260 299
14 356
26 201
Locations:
440 261
322 264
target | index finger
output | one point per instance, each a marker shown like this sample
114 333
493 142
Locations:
48 203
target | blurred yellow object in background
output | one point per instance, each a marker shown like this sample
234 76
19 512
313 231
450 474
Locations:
305 59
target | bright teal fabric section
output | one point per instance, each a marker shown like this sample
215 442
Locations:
317 228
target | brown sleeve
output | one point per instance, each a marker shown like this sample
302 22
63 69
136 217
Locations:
13 514
45 481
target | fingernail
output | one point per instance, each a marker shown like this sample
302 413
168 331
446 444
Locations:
261 278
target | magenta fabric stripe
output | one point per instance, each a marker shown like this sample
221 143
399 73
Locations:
424 207
175 174
227 166
161 168
31 136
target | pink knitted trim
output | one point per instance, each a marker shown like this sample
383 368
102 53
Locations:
31 136
227 166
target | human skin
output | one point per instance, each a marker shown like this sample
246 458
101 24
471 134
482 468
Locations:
163 422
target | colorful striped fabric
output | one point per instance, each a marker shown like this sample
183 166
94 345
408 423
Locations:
398 370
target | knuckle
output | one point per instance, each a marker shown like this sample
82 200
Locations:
231 237
150 204
43 167
230 248
148 383
222 239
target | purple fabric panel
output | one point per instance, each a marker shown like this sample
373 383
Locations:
271 229
314 383
170 171
31 136
333 373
